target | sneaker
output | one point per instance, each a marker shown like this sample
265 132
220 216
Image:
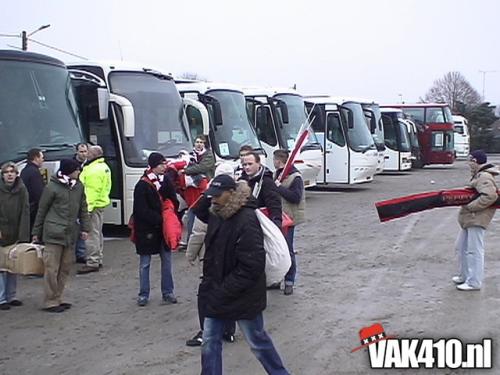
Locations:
466 287
228 337
457 280
15 303
274 286
288 290
54 309
4 306
196 340
169 299
66 305
87 269
142 302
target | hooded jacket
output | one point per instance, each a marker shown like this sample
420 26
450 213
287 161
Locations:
478 213
14 213
268 196
59 207
234 281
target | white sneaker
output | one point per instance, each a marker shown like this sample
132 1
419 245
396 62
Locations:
457 280
466 287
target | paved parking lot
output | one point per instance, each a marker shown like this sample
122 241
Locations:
353 272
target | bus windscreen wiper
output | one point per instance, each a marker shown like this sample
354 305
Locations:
56 146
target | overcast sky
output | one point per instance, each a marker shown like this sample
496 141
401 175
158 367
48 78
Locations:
375 49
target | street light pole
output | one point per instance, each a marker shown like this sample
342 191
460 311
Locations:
25 35
484 77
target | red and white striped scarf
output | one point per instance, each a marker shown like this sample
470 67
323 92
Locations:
154 178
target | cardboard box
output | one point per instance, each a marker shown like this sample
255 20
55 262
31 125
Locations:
24 259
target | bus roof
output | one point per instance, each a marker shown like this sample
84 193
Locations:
327 99
7 54
390 110
415 105
203 86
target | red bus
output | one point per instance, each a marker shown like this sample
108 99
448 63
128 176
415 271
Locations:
435 130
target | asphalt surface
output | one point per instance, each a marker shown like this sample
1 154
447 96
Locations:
353 272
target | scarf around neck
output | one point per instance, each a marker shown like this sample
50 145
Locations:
66 180
154 178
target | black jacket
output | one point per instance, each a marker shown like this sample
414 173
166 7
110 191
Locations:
292 194
33 181
269 196
148 219
234 281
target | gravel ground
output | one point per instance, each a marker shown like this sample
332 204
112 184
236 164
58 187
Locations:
353 272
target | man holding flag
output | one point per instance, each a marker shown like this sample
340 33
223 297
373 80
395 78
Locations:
293 200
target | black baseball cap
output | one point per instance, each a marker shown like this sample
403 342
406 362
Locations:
219 185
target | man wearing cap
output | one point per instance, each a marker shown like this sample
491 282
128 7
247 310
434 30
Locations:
474 219
234 282
62 203
148 222
96 178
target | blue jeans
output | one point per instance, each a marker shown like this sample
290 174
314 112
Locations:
167 281
8 283
190 223
80 249
470 251
255 335
290 276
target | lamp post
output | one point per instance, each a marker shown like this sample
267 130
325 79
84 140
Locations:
483 72
25 35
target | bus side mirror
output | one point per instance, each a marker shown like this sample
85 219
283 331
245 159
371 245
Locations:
284 111
103 102
128 114
217 113
350 119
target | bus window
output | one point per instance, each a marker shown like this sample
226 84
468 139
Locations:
459 128
434 115
390 137
417 115
195 122
334 131
437 140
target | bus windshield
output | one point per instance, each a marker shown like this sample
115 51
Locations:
296 117
236 129
37 109
378 133
360 138
404 137
159 122
438 115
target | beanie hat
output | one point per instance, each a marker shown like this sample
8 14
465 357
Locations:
479 156
224 168
68 166
155 159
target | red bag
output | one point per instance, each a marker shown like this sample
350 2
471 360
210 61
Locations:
172 227
286 221
131 225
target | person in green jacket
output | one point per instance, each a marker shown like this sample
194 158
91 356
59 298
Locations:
96 178
62 203
14 226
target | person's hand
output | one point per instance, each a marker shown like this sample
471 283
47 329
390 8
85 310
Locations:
181 172
84 236
278 183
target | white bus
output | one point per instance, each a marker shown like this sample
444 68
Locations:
374 122
37 109
277 115
145 114
349 152
461 136
224 108
397 140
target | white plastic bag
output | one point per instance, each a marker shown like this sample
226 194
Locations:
278 260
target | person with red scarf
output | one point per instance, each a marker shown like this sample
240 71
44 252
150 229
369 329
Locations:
200 171
148 227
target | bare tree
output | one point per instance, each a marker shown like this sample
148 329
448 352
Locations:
455 90
193 76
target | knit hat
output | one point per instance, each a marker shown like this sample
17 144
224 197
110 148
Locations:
479 156
155 159
68 166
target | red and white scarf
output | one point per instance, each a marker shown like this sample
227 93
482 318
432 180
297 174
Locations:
199 154
66 180
154 178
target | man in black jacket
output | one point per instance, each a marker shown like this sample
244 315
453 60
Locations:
33 181
261 182
234 282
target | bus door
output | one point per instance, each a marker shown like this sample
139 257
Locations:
265 127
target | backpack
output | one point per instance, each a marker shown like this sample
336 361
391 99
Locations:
278 259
